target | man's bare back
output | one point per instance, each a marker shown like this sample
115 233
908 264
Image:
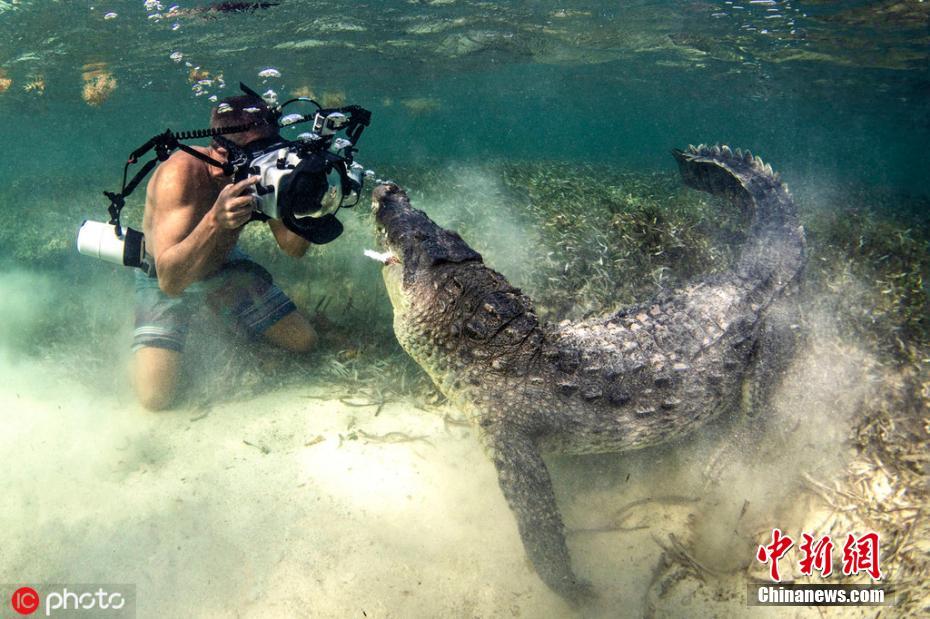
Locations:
193 217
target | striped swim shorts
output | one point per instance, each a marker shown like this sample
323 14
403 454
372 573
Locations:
241 292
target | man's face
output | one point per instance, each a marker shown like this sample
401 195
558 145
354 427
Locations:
221 154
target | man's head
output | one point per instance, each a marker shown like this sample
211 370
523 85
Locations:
243 110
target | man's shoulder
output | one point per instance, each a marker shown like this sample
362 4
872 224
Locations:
180 171
182 162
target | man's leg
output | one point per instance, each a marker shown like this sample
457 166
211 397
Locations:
156 374
293 332
251 298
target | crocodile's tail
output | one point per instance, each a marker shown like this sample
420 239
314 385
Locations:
774 251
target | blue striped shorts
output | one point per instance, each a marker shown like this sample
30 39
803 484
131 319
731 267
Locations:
241 292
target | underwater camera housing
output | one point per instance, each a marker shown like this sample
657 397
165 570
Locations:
303 182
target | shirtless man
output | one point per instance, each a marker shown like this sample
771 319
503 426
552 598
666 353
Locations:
193 217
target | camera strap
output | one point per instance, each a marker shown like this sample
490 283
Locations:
164 144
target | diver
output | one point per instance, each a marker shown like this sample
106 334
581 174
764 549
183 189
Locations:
194 214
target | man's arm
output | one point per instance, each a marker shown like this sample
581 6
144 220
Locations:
188 250
293 244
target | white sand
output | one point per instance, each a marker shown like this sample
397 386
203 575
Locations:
96 490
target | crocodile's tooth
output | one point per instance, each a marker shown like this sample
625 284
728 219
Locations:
747 156
739 153
768 169
715 151
757 162
777 177
692 149
702 148
385 258
726 151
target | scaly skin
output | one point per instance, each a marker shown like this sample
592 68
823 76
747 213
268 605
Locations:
637 378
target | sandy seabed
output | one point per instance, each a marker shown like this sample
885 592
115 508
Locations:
290 504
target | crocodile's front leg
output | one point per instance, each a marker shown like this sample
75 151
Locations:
523 477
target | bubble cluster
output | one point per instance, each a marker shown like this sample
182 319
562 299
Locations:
768 17
203 82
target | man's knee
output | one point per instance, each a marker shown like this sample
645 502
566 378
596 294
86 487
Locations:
156 377
293 332
304 340
155 400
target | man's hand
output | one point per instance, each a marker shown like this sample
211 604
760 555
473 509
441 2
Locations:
232 209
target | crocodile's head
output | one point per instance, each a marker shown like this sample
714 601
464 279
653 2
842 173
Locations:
452 314
417 254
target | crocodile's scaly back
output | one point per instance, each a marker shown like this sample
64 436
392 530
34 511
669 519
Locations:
658 370
639 377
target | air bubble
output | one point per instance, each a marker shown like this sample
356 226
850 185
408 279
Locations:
290 119
269 72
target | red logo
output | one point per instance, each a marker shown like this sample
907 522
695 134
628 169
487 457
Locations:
861 555
775 551
817 556
25 600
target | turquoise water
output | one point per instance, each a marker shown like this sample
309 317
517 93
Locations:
835 89
495 115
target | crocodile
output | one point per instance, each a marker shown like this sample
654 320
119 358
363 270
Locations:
636 378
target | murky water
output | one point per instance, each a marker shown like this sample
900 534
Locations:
263 492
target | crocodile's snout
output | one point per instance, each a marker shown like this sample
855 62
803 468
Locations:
382 192
413 237
393 214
